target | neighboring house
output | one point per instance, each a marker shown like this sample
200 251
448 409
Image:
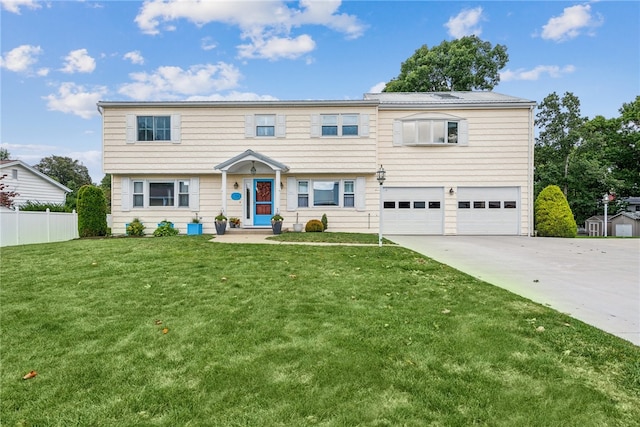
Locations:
31 184
632 204
456 162
626 224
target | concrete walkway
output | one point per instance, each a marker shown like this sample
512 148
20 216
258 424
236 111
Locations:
594 280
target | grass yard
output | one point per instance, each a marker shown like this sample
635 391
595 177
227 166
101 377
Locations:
290 335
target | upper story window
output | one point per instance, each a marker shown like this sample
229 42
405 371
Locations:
153 128
339 125
14 173
265 125
430 131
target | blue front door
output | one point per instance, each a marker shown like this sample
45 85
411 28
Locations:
263 201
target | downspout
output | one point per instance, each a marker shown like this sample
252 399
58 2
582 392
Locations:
530 173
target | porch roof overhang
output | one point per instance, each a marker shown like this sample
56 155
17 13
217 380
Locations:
243 162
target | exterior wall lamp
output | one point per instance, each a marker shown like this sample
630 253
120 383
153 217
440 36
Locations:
451 191
235 185
253 167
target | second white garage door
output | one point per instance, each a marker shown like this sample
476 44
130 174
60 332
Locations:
414 210
488 210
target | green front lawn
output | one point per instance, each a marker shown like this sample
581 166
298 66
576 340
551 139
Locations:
290 335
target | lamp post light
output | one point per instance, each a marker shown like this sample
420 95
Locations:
380 176
605 200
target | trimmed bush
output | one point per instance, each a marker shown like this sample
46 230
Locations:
325 222
314 226
165 229
135 228
92 211
553 214
30 206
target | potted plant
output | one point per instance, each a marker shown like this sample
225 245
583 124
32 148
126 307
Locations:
234 222
276 223
221 224
195 227
297 227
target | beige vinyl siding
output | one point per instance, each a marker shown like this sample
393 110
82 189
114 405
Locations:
31 187
210 136
340 219
497 155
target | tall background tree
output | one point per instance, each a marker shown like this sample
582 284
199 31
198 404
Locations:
463 64
587 158
68 172
4 154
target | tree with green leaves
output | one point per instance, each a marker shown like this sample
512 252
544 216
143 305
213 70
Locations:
67 172
92 212
559 123
4 154
105 184
463 64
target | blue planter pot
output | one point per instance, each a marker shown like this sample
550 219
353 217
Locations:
194 229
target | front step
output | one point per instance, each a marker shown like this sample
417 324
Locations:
258 231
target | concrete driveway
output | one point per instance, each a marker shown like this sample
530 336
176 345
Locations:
594 280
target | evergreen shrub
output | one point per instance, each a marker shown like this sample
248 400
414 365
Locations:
135 228
165 229
325 222
314 226
92 211
553 214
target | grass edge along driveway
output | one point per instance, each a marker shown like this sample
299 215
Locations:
181 331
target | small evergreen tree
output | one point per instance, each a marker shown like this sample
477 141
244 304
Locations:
553 214
92 212
325 222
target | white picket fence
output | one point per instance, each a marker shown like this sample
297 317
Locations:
21 228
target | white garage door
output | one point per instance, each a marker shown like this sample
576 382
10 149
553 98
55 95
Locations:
416 210
488 210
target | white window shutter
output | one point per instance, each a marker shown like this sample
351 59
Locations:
281 126
176 128
364 125
194 194
292 194
125 184
361 193
315 125
249 128
397 132
131 128
463 132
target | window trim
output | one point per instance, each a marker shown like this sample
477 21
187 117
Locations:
132 129
310 196
446 119
146 193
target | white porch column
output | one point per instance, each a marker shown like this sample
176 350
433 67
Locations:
278 191
224 193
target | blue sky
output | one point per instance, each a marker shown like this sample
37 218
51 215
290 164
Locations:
58 58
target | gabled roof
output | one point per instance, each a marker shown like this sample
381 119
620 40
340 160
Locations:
252 156
5 164
632 215
632 200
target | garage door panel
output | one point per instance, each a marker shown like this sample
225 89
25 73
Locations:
415 210
488 210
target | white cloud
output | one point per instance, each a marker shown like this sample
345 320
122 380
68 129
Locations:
207 43
266 24
135 57
171 83
465 23
14 6
233 96
21 58
277 47
536 73
79 61
43 72
76 99
378 87
573 21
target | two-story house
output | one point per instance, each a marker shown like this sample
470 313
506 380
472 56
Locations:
455 162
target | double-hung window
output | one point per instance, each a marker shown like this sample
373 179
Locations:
265 125
340 124
154 128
